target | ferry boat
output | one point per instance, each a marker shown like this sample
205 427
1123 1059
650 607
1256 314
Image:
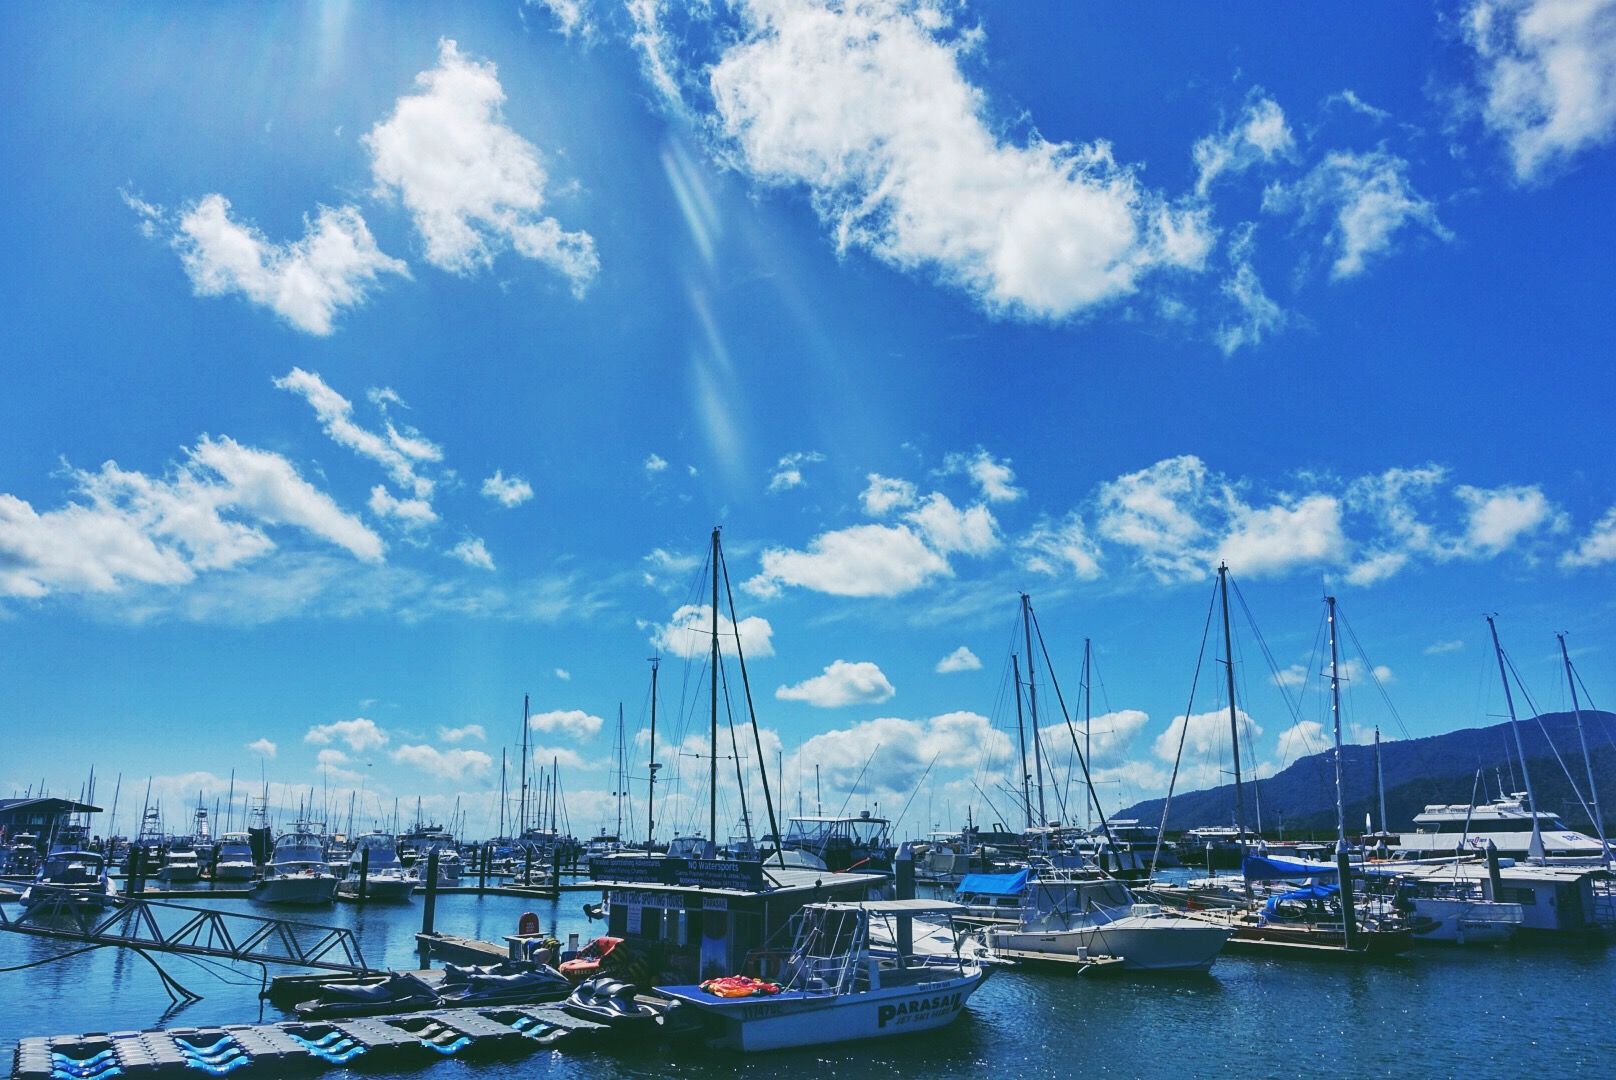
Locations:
835 985
1216 846
385 876
297 872
235 862
1442 829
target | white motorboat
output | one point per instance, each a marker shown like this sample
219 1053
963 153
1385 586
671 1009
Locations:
180 864
385 876
235 862
1442 829
72 877
835 985
1081 913
297 872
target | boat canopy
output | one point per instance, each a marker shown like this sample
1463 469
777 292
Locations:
1273 868
1305 893
993 884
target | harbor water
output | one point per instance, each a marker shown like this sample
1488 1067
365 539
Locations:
1478 1012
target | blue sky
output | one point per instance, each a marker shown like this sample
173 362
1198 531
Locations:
370 366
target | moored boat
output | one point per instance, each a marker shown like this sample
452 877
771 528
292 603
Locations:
297 872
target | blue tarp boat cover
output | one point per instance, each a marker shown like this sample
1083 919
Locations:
993 884
1270 868
1306 892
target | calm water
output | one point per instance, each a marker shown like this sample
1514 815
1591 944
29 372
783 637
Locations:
1512 1012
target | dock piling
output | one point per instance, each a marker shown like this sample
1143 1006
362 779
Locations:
364 874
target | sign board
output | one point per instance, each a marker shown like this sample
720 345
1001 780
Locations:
693 873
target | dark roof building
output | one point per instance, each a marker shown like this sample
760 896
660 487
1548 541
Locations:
41 817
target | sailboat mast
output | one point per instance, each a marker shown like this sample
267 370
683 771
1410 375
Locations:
1536 849
712 740
1032 701
619 784
1088 718
1380 782
1234 719
502 792
650 792
521 821
1335 718
1593 791
1021 733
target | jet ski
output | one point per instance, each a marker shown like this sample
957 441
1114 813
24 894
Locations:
399 992
609 1001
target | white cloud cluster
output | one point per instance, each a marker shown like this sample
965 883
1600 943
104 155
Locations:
1257 313
842 683
473 552
571 17
210 513
866 106
461 734
1598 546
1061 547
994 477
508 491
788 470
399 451
883 494
453 764
688 633
473 186
1368 199
1259 134
961 659
898 751
1547 73
264 748
359 734
409 513
307 282
574 723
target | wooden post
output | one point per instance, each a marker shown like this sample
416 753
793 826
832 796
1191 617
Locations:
430 911
904 889
527 865
364 874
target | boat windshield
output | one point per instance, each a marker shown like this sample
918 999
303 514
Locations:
73 867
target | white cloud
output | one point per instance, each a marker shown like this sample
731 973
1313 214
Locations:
574 723
507 491
306 282
1376 567
1370 199
399 452
571 17
1277 538
331 757
948 529
898 751
866 106
961 659
461 734
688 633
864 560
411 513
883 494
452 764
1258 314
1110 735
1498 517
1260 134
563 674
263 748
1293 676
1206 748
1061 547
991 475
567 757
473 552
359 734
1349 99
788 470
1156 512
473 186
842 683
1301 739
208 514
1599 546
1437 648
655 463
1547 73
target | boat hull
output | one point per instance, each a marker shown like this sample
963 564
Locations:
796 1019
1463 922
298 890
382 890
1142 944
179 875
234 871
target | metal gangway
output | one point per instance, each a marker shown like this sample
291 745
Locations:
157 926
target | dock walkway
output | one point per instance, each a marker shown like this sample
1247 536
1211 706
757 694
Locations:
272 1050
